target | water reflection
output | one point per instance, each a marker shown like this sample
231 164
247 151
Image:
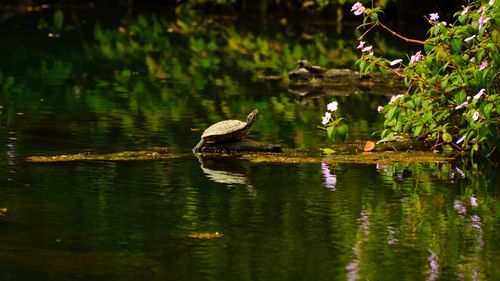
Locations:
329 177
353 268
433 266
225 170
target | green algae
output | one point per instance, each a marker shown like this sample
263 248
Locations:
386 157
154 153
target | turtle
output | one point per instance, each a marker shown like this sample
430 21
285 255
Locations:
227 130
312 69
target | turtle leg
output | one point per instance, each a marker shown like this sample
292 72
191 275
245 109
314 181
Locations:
197 148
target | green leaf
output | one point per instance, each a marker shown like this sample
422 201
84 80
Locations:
330 132
212 46
327 151
417 130
391 112
487 109
342 131
460 97
462 19
58 19
446 137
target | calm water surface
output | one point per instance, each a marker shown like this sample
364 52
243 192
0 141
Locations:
132 220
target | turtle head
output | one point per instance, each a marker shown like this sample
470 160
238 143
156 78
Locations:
303 64
252 116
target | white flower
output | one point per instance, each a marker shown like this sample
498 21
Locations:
491 2
361 44
434 16
367 49
326 118
473 59
469 38
460 172
475 116
394 62
460 140
465 11
462 105
380 108
394 98
333 106
479 94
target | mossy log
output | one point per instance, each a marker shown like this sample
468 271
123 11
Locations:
153 153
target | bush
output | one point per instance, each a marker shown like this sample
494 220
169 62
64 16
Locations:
452 97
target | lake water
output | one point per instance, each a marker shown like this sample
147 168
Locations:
130 220
223 218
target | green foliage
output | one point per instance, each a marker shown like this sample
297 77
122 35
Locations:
189 48
56 27
452 97
265 5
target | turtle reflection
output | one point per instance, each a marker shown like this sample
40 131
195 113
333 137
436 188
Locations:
225 170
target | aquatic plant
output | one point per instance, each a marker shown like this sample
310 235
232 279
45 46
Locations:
452 97
335 126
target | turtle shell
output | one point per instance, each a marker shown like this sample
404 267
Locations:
225 130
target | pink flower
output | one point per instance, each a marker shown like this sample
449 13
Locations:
479 94
482 20
461 209
380 108
358 8
462 105
326 118
434 16
361 44
473 201
416 57
394 98
394 62
484 65
491 2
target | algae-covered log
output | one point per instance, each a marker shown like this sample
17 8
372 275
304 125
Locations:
387 157
155 153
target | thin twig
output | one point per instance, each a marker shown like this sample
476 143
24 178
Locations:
400 36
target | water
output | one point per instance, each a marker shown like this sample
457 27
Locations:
132 220
106 220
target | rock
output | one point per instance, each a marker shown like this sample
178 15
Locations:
245 145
